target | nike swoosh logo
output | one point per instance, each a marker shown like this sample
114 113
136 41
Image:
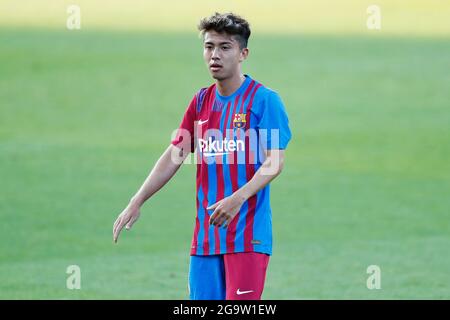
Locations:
212 154
238 292
200 122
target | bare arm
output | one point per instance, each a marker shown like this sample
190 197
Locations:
226 209
164 169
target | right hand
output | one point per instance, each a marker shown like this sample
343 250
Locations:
125 219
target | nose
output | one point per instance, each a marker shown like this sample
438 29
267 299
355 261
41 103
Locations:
215 53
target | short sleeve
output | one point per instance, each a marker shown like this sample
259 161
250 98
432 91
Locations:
184 136
273 117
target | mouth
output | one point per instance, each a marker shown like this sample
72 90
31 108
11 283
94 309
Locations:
215 67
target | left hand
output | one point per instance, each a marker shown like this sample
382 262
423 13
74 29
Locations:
225 210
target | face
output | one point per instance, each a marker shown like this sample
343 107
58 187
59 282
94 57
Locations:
222 55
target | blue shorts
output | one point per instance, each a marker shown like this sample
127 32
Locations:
231 276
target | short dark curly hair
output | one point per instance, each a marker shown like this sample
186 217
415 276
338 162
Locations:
229 23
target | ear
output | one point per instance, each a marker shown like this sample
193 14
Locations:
243 55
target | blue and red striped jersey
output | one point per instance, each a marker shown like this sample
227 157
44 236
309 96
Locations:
229 135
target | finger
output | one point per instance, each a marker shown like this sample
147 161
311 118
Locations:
214 216
120 226
116 235
117 232
116 223
213 206
226 222
131 222
222 220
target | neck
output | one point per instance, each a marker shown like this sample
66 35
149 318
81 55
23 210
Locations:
228 86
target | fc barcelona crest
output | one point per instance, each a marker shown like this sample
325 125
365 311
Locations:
239 120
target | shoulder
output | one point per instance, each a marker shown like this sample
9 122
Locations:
267 92
264 93
201 95
265 96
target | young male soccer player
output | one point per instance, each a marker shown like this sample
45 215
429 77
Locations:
239 130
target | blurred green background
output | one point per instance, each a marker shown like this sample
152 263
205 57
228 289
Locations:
84 114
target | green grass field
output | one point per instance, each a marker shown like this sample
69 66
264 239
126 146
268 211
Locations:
84 116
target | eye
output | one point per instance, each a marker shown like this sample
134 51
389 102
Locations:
225 47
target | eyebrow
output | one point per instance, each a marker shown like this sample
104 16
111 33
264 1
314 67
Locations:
224 42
